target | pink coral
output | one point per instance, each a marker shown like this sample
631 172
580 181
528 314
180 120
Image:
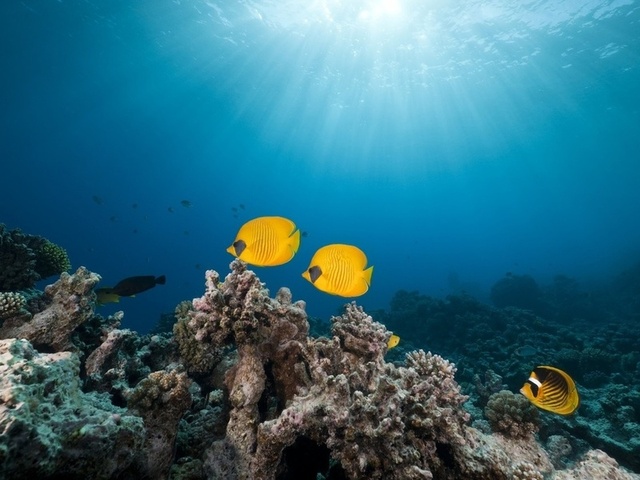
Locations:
376 419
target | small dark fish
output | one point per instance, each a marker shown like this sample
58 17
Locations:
135 230
186 232
304 234
97 199
113 218
198 266
242 206
134 205
185 203
234 209
170 209
133 285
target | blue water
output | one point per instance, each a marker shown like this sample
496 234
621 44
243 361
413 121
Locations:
447 142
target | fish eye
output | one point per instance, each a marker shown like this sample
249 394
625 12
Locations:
314 273
239 247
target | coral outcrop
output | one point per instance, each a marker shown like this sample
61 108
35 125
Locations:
335 396
69 303
49 426
511 414
241 391
160 399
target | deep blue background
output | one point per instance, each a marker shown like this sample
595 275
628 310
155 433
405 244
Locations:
445 142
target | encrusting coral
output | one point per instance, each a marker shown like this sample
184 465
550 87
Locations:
50 427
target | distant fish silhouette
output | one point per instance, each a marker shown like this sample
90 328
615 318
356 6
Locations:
185 203
113 218
241 206
97 199
170 210
234 209
134 205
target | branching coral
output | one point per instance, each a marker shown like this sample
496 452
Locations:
25 259
11 304
51 259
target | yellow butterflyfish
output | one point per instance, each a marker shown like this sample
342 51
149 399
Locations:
266 241
340 269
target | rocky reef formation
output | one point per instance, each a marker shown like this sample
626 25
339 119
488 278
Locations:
602 357
50 427
240 390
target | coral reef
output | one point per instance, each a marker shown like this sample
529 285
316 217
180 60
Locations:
70 303
520 291
511 414
49 426
11 304
25 259
595 465
160 399
240 390
526 471
602 357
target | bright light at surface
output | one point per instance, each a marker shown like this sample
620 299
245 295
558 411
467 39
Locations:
380 10
371 86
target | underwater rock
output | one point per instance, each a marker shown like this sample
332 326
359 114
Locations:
160 399
595 465
49 426
70 303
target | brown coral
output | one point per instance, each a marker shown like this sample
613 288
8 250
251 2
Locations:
70 304
160 399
